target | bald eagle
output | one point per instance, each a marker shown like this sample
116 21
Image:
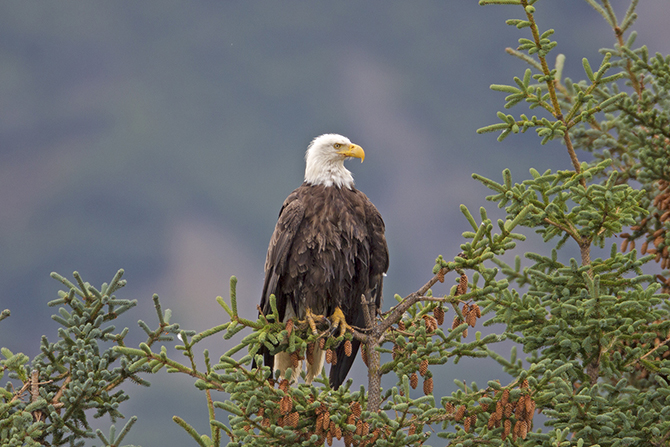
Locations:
328 249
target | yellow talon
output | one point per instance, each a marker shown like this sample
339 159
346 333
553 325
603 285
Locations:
337 320
312 319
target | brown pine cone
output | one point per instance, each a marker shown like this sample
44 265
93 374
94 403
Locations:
413 380
462 285
460 413
325 423
492 421
439 315
292 419
477 310
471 319
364 355
423 367
507 427
499 410
520 410
319 423
521 429
431 323
428 386
508 410
530 409
505 397
466 425
286 404
356 409
348 348
295 360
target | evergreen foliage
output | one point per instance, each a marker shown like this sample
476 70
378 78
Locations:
595 331
72 377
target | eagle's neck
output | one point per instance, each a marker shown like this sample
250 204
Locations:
327 172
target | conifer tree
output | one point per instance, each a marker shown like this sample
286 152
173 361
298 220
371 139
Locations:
594 332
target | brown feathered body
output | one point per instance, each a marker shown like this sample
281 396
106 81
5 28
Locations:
328 250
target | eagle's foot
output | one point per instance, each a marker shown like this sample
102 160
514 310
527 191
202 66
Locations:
312 319
339 322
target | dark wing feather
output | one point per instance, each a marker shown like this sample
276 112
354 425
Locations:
290 217
371 264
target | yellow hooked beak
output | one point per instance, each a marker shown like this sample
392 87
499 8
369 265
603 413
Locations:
353 150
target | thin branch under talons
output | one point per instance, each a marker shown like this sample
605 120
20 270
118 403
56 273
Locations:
360 336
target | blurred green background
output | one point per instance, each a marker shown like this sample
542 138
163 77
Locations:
162 137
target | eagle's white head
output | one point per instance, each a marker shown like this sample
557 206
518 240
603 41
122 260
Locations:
325 160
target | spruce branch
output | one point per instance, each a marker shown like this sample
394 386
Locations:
524 57
113 440
542 48
190 430
619 30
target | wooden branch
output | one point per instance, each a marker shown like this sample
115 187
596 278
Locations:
56 400
376 333
437 299
23 389
395 313
35 393
372 340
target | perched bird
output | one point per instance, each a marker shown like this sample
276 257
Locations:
328 250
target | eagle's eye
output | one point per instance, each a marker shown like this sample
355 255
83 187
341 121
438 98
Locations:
337 145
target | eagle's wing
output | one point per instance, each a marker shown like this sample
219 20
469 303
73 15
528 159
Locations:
379 254
378 265
290 217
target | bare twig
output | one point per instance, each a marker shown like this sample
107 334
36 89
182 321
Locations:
56 400
395 313
35 393
665 342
